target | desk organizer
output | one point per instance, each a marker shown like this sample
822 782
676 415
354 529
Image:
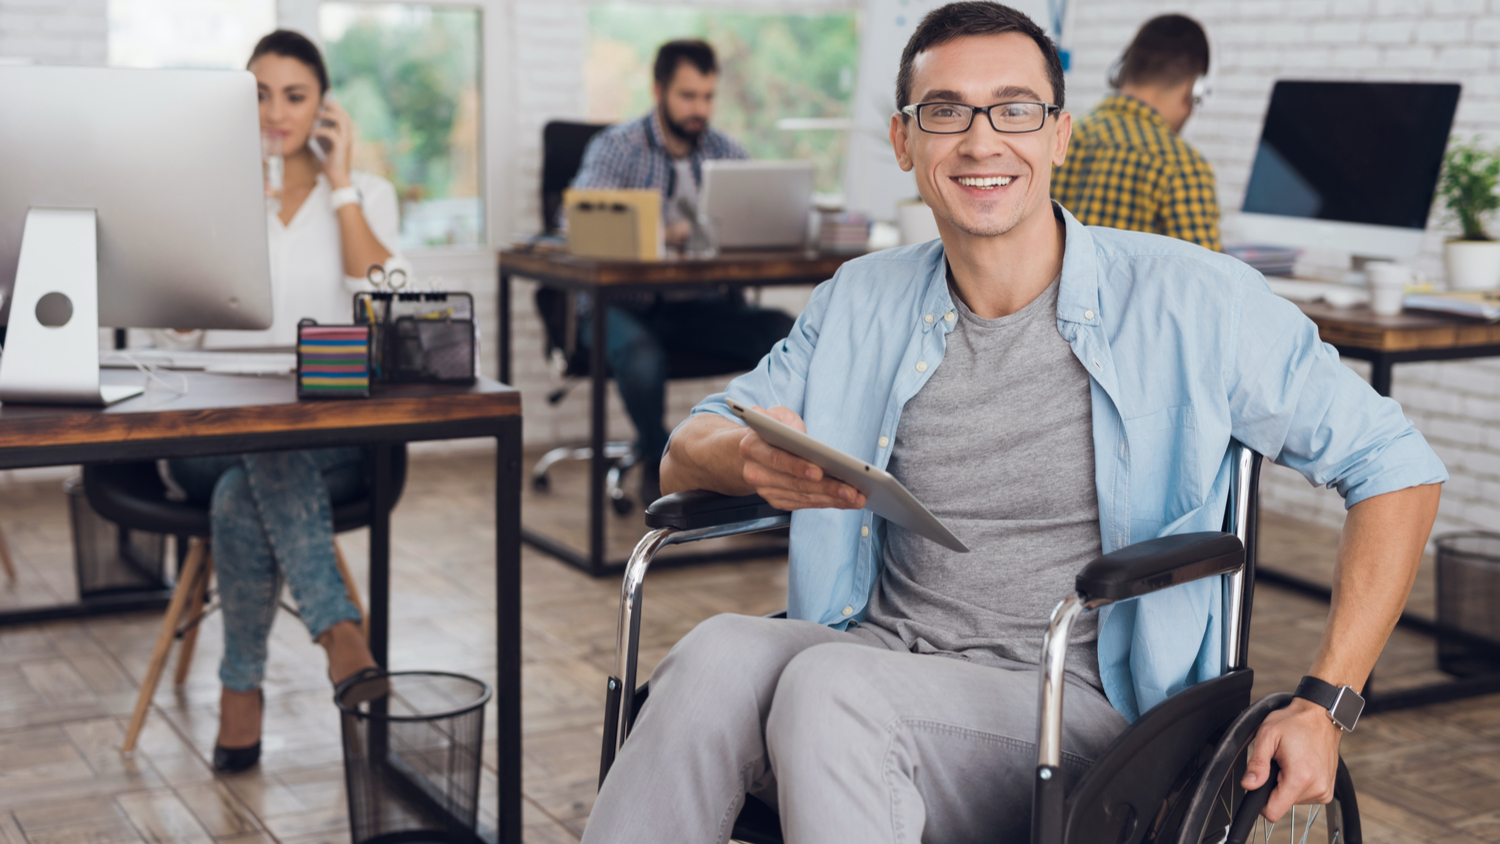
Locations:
333 361
420 337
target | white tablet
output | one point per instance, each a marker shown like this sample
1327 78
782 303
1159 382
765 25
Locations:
883 493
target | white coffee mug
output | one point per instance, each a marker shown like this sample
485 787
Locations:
1387 282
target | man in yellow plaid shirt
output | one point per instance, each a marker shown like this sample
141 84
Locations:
1128 167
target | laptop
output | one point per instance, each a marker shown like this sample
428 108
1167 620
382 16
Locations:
758 204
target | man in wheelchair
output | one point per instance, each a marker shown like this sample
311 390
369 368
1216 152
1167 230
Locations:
1052 392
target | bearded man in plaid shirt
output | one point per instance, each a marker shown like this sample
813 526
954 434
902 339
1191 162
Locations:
1128 166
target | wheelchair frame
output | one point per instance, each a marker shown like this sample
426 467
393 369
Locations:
1130 572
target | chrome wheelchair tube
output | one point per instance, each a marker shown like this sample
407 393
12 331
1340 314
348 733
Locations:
628 629
1049 699
1240 475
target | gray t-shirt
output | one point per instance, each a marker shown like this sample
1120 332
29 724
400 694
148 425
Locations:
999 445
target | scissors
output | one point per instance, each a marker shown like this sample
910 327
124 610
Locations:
382 280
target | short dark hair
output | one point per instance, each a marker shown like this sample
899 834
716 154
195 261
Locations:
698 53
293 45
1168 50
974 17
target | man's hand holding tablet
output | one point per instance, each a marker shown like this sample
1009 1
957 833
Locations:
786 481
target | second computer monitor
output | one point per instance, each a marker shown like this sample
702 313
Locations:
1348 166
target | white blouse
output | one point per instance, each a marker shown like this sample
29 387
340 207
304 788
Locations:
307 262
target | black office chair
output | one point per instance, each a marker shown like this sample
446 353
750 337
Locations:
133 496
563 145
1172 776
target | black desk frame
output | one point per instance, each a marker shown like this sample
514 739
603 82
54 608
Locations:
594 562
1381 363
506 430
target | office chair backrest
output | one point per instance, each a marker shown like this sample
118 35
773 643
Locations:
563 144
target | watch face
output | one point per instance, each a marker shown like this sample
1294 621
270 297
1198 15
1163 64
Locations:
1346 709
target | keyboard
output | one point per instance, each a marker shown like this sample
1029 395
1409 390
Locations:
206 360
1338 295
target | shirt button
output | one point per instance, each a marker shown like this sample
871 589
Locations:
1088 314
864 530
948 316
929 319
848 610
884 442
921 366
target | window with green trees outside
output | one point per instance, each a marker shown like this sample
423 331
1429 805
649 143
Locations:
409 74
773 66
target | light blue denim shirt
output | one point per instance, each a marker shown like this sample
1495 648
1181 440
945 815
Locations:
1185 348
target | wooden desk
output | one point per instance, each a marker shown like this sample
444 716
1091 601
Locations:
605 279
1408 337
225 414
1385 341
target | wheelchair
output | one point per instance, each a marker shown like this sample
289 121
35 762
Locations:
1172 776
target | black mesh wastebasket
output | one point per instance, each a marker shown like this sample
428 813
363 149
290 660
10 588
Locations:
1468 603
412 747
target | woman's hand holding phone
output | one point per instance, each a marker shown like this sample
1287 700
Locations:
332 140
788 482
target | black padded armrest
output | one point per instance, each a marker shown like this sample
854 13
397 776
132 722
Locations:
700 509
1159 563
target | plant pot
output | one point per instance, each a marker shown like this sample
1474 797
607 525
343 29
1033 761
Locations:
1472 264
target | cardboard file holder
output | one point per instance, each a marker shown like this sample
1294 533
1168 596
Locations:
622 224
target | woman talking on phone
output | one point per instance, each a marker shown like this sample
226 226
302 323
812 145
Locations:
272 513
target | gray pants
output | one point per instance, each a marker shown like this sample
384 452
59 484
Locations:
851 736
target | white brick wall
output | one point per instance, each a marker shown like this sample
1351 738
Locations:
54 31
1455 405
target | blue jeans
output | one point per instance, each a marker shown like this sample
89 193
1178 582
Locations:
272 517
640 341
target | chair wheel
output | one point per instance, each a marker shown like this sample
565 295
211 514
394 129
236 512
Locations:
622 505
541 483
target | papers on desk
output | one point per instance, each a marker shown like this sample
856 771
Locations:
1482 304
207 360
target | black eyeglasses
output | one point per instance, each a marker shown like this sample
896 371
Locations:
956 118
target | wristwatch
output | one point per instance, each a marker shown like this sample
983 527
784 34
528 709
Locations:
345 196
1342 702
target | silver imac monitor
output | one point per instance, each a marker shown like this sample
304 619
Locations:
1348 166
758 204
128 198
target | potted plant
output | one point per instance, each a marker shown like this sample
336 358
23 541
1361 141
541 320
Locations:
1467 185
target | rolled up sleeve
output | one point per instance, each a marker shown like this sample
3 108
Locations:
1292 400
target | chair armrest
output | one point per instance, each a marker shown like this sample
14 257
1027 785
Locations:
1159 563
699 509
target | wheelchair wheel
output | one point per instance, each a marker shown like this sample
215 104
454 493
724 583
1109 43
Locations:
1221 812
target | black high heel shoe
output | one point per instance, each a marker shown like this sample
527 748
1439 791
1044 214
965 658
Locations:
229 760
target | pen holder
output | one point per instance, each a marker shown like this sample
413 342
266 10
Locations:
420 337
333 361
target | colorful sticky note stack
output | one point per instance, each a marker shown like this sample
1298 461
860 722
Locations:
335 360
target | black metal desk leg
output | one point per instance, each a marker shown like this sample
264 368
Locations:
1380 375
503 338
598 467
508 634
380 557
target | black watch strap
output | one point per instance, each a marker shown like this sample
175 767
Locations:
1343 703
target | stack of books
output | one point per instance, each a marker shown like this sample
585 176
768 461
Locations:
1269 260
840 231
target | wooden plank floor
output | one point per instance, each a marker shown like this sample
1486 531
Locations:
66 688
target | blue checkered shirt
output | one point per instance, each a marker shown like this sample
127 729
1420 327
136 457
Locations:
632 155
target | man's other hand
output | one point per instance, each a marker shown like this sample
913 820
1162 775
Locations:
788 482
1305 743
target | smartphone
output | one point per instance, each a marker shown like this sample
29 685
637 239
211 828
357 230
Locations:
321 146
